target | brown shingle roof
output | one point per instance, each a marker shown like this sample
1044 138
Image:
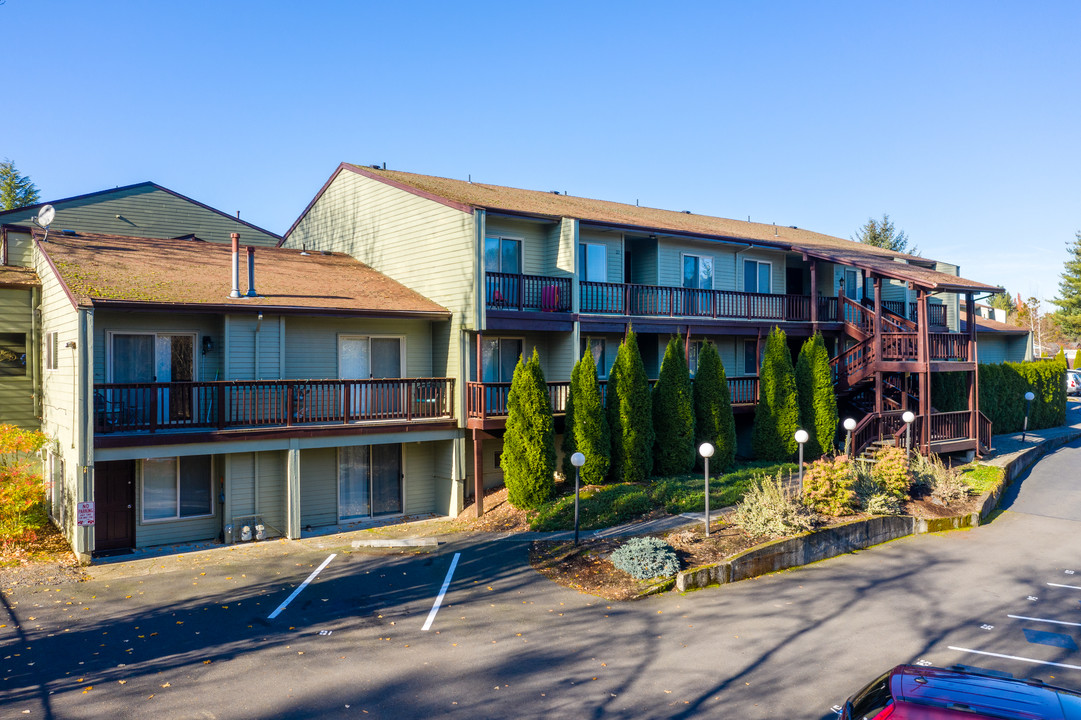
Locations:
101 270
13 277
992 326
467 195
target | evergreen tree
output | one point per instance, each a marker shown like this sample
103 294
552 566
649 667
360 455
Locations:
590 423
776 418
16 191
713 420
630 415
817 401
1069 290
1003 301
569 445
529 442
881 233
673 414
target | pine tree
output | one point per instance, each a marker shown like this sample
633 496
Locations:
1069 290
713 420
881 233
630 415
817 401
673 414
590 423
16 190
776 417
529 442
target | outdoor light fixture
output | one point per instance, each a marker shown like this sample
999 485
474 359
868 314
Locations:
1029 397
706 451
577 460
208 344
850 425
908 417
801 437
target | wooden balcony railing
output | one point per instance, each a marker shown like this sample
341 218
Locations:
948 346
900 346
857 315
221 405
656 300
512 291
936 313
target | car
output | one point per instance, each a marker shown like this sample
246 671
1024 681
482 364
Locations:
1073 382
912 692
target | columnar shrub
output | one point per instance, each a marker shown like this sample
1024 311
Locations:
817 401
591 436
776 417
646 557
630 415
673 414
828 486
569 445
528 459
713 421
890 472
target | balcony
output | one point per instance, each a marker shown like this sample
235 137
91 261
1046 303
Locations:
125 408
514 291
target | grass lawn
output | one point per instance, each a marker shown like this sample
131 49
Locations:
981 478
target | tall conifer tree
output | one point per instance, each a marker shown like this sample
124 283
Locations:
776 417
673 414
713 420
528 458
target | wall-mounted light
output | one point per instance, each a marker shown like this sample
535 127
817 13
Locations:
208 344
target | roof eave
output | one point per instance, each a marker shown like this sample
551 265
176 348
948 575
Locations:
160 306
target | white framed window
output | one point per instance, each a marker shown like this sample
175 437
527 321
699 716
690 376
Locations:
51 351
503 255
693 350
698 271
757 276
370 481
176 488
499 357
593 262
596 347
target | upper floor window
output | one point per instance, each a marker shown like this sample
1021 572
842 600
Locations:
751 357
593 262
152 357
698 272
503 255
12 354
852 284
499 357
595 347
757 276
693 350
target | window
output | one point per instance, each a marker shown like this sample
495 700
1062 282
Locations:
369 481
852 284
693 349
502 255
750 357
176 488
595 346
51 351
593 262
698 272
757 276
12 354
499 357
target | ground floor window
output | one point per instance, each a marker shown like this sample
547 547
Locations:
369 481
595 347
175 488
56 490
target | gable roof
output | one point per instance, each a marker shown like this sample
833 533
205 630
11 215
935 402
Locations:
138 273
466 196
13 277
987 325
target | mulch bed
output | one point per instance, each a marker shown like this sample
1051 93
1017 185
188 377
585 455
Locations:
48 560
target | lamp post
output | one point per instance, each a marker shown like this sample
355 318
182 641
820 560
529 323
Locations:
850 425
908 417
1029 397
706 451
577 460
801 437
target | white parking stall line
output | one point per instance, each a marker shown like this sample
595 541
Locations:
1044 620
1016 657
442 592
1068 587
301 587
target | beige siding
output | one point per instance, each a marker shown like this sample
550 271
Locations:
319 487
144 211
59 386
164 532
17 391
311 344
252 348
418 463
20 248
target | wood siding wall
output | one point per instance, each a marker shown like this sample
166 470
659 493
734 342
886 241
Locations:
311 344
164 532
17 391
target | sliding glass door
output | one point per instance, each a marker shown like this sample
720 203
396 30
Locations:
369 481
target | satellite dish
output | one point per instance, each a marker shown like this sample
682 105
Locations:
46 215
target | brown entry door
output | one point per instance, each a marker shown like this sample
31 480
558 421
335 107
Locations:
114 498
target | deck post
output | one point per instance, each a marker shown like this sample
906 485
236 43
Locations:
877 329
923 356
973 397
814 297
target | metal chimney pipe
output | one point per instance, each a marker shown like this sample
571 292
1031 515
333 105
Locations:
251 272
235 292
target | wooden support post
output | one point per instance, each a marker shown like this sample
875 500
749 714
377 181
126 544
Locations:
877 330
973 399
478 472
923 355
814 297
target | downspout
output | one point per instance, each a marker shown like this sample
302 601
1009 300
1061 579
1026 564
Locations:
257 333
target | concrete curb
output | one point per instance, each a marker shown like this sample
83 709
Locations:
819 545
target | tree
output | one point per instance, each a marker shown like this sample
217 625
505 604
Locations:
881 233
630 415
713 420
776 417
529 442
817 401
673 414
1003 301
1069 290
591 436
16 190
569 445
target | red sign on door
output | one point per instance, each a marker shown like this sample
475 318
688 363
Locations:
85 514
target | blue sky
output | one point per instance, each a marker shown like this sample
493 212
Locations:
960 119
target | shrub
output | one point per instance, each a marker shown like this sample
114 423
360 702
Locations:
770 509
529 442
630 415
828 486
890 472
817 401
673 414
646 557
776 417
569 446
713 420
1003 387
882 504
945 484
949 391
590 424
23 508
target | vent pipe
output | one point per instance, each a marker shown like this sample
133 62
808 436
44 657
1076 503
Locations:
251 272
235 292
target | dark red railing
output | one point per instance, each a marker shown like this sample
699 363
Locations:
220 405
743 390
857 315
983 428
656 300
936 314
948 346
950 426
853 364
513 291
827 309
900 346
